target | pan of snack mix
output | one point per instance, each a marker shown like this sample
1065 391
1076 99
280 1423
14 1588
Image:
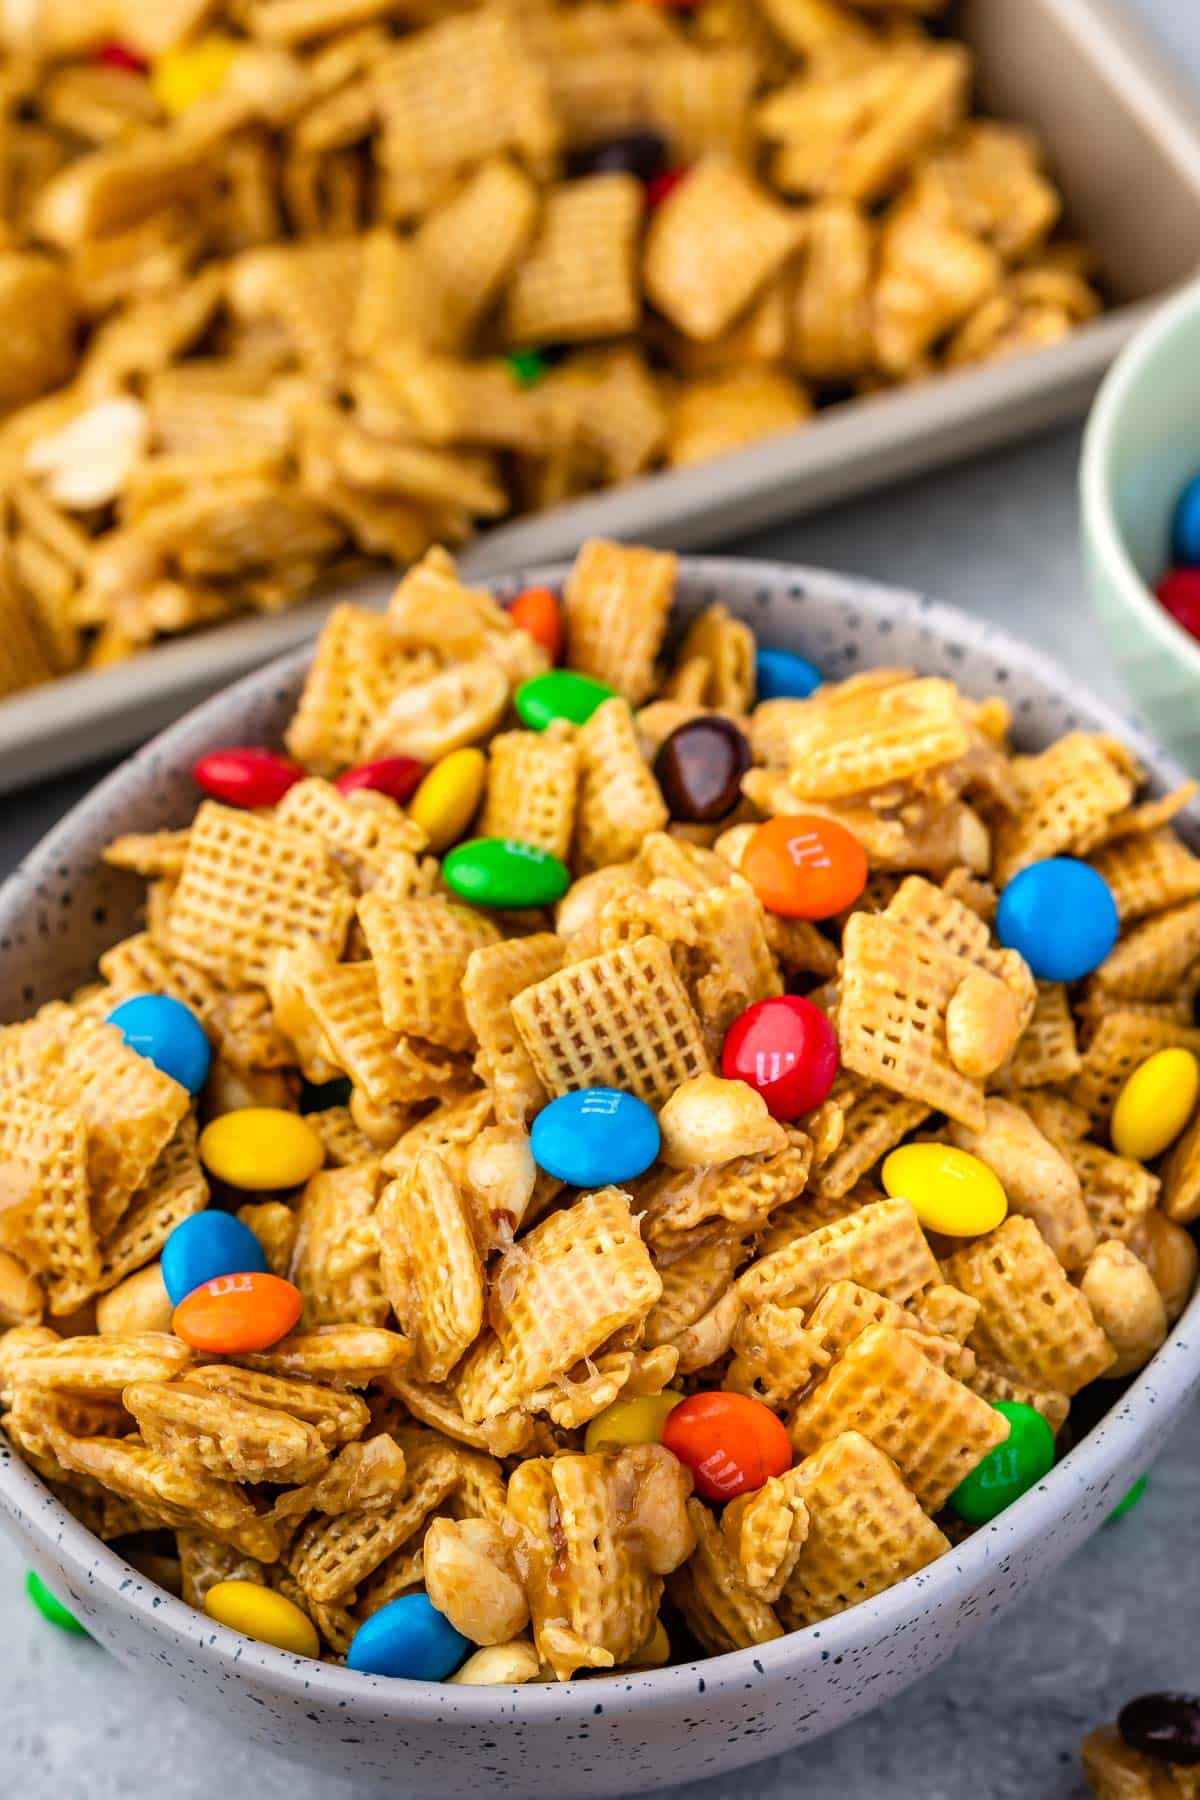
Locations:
295 288
595 1173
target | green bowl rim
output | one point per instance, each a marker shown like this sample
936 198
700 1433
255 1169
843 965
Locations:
1095 479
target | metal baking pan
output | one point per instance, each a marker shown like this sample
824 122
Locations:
1125 144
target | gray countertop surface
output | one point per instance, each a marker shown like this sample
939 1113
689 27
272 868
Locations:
1002 1720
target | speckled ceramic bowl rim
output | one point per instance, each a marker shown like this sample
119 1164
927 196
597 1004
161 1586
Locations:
1104 428
1125 1436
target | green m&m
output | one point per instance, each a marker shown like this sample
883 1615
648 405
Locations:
560 694
51 1608
1129 1502
505 872
1009 1470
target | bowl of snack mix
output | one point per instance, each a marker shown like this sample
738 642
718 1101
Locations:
1141 460
595 1175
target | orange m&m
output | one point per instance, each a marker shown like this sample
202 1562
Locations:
232 1315
537 611
731 1443
805 867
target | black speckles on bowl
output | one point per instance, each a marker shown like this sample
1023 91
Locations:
603 1735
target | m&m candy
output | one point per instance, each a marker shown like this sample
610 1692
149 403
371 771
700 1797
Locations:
398 777
408 1638
527 367
560 694
595 1138
1185 526
50 1607
784 1048
245 777
663 186
804 867
259 1612
445 803
115 55
1155 1104
1179 594
699 768
639 1419
1024 1458
168 1034
782 675
537 611
209 1244
950 1190
505 872
237 1314
188 73
1128 1501
731 1443
261 1148
1060 916
1165 1727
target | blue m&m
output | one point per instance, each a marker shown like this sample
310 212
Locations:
1185 530
209 1244
168 1034
782 675
1060 916
595 1137
408 1638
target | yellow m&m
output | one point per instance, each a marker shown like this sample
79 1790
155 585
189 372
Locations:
1155 1104
193 72
444 804
637 1420
259 1612
261 1149
950 1190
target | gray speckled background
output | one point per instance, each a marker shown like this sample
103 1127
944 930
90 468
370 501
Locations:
1003 1719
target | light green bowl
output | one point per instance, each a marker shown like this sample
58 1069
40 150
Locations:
1141 448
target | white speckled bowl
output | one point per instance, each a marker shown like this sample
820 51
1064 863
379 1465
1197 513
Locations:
628 1732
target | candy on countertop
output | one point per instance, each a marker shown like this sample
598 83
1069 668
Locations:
320 1096
261 1148
1179 593
410 1639
597 1137
167 1033
636 1419
640 153
447 800
1024 1458
730 1442
537 611
782 675
245 776
504 872
560 694
950 1190
209 1244
1060 915
1165 1727
398 777
259 1612
804 867
1185 526
786 1050
235 1315
1155 1104
528 367
192 72
51 1607
699 768
1130 1500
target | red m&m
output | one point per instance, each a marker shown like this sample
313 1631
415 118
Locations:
731 1443
233 1315
786 1050
246 776
805 867
398 777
